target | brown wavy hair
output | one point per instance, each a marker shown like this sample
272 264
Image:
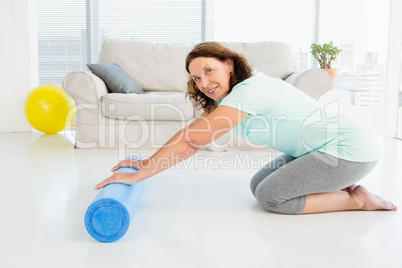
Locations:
241 71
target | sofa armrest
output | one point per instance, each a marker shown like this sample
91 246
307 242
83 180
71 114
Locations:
313 82
84 87
87 90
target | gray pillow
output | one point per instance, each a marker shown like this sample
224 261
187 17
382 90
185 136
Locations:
115 78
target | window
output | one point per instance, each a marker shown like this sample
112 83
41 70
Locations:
61 39
359 28
71 32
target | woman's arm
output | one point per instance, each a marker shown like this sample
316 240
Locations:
184 145
173 140
138 164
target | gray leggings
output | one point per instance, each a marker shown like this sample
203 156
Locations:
282 185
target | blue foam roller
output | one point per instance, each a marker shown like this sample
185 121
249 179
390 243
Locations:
108 217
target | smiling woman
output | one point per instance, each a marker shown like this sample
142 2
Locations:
208 63
320 163
207 78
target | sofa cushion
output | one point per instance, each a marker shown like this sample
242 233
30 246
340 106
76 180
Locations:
150 106
155 66
272 58
115 78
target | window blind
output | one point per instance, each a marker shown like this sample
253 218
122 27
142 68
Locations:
288 21
71 32
359 28
61 39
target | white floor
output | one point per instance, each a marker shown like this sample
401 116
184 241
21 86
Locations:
202 215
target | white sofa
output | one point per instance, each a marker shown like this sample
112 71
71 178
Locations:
146 121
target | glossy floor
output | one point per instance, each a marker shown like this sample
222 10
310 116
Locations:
198 214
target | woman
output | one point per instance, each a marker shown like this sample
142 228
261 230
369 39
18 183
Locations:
325 153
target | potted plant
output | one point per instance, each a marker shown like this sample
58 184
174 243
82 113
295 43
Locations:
326 54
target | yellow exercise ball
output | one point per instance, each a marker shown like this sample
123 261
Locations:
49 109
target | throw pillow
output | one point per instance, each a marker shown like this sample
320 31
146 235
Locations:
115 78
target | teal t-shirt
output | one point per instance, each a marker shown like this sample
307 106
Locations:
282 117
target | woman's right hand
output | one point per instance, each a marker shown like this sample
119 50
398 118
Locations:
134 163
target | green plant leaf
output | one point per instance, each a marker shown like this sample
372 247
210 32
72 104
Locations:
325 54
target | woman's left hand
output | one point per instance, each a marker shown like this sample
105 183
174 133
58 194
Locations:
126 178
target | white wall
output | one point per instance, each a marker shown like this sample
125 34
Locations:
19 64
393 68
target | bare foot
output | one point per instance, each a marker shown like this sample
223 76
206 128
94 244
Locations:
364 200
350 188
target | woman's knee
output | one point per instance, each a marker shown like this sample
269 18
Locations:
268 201
268 169
255 180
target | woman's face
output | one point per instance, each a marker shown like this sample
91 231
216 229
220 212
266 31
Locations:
212 76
